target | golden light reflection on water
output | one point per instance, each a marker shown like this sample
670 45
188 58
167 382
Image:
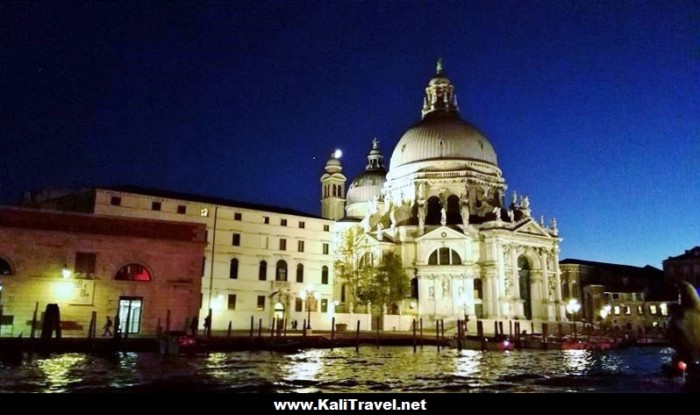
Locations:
215 365
468 363
577 361
57 370
305 366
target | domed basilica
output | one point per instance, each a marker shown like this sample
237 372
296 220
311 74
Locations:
441 206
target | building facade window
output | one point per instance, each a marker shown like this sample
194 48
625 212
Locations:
133 272
283 244
444 256
261 303
5 267
300 273
478 289
85 263
115 201
298 305
300 246
156 205
238 216
283 222
281 270
324 305
262 271
236 240
204 212
302 225
233 269
266 220
181 209
324 275
326 249
326 228
232 301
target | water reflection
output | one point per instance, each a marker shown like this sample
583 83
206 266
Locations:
577 362
57 371
393 369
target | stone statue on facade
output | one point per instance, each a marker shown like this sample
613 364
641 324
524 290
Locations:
511 215
443 217
464 211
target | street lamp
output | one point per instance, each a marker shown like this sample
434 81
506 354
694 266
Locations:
572 307
65 271
307 294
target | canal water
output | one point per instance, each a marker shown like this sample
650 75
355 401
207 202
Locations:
387 369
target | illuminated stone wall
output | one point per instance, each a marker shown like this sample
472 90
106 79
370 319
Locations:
37 256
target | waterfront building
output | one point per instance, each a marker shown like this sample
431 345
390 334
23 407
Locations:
261 262
684 267
442 207
145 272
617 295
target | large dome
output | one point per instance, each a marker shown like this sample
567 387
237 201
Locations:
442 136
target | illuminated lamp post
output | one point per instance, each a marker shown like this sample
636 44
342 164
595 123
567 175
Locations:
66 272
572 307
307 294
604 313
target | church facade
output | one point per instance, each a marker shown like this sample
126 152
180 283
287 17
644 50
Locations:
441 206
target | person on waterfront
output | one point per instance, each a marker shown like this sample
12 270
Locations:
207 324
107 327
193 326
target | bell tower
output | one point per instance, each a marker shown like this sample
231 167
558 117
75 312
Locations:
333 188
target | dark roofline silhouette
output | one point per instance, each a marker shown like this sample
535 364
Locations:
190 197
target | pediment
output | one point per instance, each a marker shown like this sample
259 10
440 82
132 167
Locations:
531 227
442 233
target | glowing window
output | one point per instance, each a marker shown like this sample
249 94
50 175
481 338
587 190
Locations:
204 212
133 272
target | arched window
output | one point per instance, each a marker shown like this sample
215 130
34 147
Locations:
262 271
133 272
334 191
453 215
367 260
281 271
444 256
300 273
5 268
233 269
414 287
433 215
564 290
574 289
478 289
525 286
324 275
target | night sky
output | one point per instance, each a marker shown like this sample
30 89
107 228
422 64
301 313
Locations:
593 108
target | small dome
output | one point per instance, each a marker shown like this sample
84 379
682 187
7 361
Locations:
369 184
366 186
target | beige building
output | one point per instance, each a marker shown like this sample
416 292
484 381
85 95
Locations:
146 272
441 206
616 295
268 262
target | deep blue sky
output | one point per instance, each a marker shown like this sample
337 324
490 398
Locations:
593 107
